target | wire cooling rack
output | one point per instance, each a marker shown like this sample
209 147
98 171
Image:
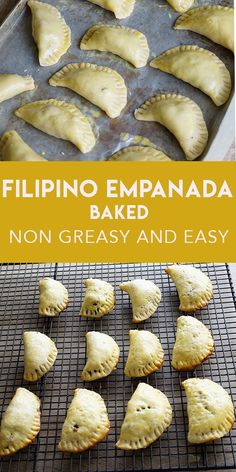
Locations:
19 311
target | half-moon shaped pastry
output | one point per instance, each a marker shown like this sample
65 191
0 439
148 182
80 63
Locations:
148 415
200 68
193 344
61 120
53 297
86 423
145 354
40 354
193 286
181 116
216 22
102 356
100 85
181 5
20 423
13 148
99 298
14 84
210 410
125 42
120 8
50 32
139 153
145 297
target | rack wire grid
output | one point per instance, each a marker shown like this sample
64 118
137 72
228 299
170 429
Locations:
19 301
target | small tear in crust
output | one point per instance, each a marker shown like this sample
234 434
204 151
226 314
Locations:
40 353
13 148
14 84
99 298
181 5
120 8
53 297
145 297
139 153
102 356
145 354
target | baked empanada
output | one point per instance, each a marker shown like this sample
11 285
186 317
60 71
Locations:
53 297
100 85
99 298
139 153
181 116
200 68
61 120
216 22
86 423
125 42
148 415
181 5
193 286
145 354
210 410
193 344
50 32
13 148
20 423
120 8
14 84
145 297
102 356
40 354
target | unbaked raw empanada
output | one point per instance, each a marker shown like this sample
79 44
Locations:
50 32
100 85
40 354
181 116
216 22
210 410
14 84
139 153
198 67
86 423
20 423
148 415
99 298
53 297
145 297
145 354
181 5
125 42
193 286
120 8
61 120
102 356
13 148
193 344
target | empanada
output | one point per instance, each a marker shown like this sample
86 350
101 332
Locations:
14 84
145 297
181 5
139 153
98 300
102 356
216 22
40 354
120 8
20 423
181 116
100 85
193 286
148 415
86 423
193 344
200 68
125 42
145 354
210 410
61 120
13 148
53 297
50 32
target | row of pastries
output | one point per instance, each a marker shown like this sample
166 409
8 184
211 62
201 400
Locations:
106 88
148 413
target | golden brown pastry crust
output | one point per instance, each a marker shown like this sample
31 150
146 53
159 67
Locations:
145 297
53 297
145 354
102 356
40 353
99 298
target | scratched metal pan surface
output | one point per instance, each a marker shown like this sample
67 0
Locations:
155 18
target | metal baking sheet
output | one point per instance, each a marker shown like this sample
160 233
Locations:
155 18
